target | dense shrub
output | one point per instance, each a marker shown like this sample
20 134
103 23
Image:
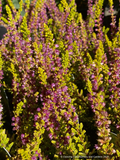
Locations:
65 82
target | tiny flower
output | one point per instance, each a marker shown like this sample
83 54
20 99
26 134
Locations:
57 52
53 85
22 136
93 64
68 137
35 117
17 119
34 158
99 123
65 113
60 153
56 45
75 118
50 135
38 109
65 89
97 147
114 151
53 68
117 126
23 141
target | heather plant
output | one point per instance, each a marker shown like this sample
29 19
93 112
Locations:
65 81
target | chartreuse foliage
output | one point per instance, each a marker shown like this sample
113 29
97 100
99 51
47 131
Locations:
64 78
4 140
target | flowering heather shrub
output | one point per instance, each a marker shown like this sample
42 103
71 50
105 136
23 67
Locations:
68 72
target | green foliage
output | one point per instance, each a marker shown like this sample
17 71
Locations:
4 142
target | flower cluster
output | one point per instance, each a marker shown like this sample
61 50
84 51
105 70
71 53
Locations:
61 70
